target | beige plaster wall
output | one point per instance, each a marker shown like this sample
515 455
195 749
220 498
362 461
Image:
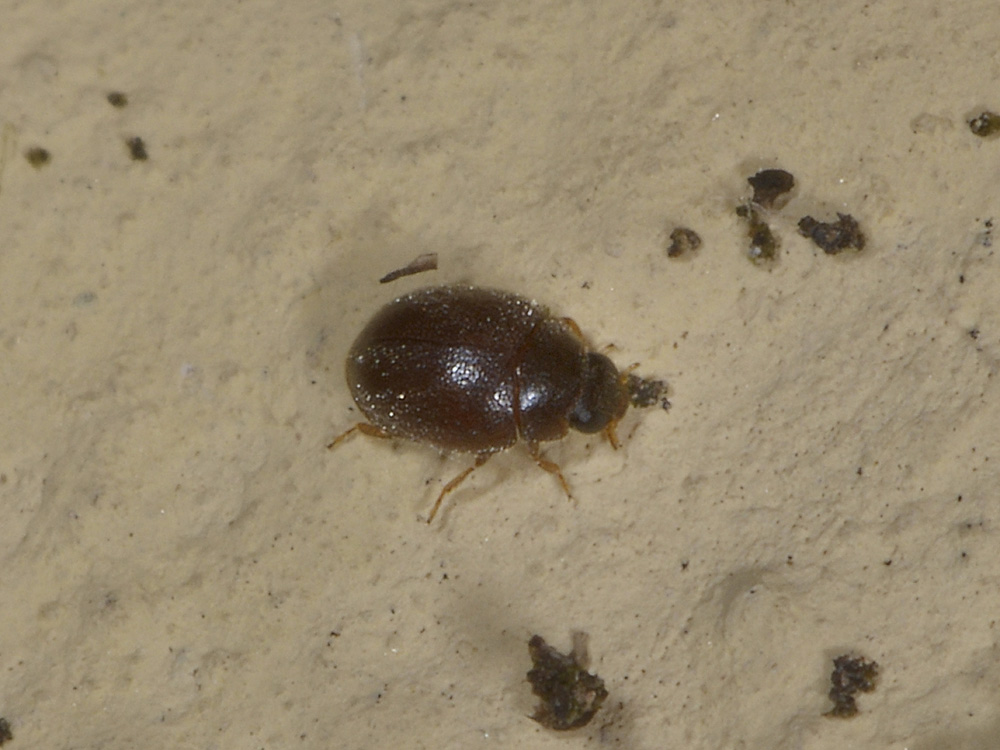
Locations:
184 565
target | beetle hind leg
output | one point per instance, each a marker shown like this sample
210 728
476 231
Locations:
363 427
448 488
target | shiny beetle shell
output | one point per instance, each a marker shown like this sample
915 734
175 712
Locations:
473 370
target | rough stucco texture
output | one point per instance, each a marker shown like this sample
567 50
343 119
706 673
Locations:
183 564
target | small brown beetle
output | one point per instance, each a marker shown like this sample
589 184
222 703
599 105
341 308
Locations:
473 370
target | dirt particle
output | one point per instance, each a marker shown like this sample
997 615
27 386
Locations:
851 675
37 156
986 124
644 392
835 236
137 148
683 241
425 262
771 187
763 242
570 695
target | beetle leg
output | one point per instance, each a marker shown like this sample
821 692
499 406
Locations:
363 427
550 466
610 432
480 460
572 325
612 435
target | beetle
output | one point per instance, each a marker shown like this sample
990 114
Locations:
473 370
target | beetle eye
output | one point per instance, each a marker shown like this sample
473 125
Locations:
603 399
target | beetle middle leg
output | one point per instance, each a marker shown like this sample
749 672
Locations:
480 460
550 466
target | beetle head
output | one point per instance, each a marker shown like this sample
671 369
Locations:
604 398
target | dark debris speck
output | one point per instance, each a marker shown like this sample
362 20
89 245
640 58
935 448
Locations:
771 186
763 242
835 236
682 242
851 675
985 124
644 392
420 264
37 156
117 99
570 695
137 149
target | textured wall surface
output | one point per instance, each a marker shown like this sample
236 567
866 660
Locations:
184 565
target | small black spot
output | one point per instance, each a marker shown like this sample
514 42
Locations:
117 99
37 156
985 124
5 734
769 185
137 149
